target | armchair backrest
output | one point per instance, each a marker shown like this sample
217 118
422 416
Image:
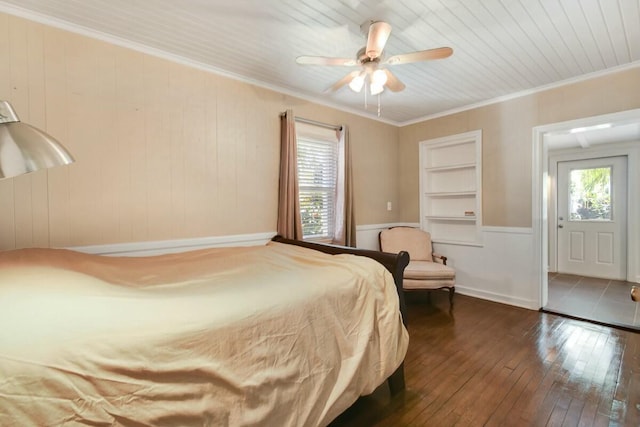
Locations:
413 240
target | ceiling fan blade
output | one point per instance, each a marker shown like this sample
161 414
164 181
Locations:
343 81
393 83
421 55
323 60
378 34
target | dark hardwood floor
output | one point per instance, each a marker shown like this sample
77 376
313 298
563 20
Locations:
491 364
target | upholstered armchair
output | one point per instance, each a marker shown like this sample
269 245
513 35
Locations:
427 270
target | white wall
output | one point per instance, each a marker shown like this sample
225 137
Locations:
500 270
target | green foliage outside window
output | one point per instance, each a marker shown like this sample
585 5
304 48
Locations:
317 175
590 192
312 212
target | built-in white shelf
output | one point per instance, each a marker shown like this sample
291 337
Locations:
451 188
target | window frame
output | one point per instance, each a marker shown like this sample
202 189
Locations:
315 139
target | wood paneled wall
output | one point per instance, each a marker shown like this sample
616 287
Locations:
168 151
163 150
507 141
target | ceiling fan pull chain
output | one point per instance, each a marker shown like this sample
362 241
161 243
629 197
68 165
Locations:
365 95
378 105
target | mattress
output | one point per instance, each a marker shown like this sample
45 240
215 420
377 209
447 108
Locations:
262 335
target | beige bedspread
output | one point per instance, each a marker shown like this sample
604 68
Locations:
272 335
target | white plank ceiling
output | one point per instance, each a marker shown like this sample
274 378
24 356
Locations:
501 47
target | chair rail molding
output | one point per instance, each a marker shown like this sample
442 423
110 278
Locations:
160 247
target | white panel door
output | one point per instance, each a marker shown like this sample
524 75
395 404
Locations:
592 217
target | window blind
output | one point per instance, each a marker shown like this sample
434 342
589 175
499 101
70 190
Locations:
317 181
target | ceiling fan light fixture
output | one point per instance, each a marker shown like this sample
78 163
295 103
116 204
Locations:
378 78
357 83
376 89
370 58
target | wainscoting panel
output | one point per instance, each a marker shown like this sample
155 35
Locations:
501 270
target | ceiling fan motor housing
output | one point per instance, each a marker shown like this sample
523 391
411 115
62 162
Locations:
363 58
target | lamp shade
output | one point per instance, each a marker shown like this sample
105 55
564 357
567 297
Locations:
379 77
357 82
24 148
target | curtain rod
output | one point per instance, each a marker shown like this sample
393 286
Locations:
315 123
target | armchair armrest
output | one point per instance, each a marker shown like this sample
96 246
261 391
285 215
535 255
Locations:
442 258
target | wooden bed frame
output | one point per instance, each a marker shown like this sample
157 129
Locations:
395 263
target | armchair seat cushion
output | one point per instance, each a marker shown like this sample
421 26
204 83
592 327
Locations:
421 270
410 284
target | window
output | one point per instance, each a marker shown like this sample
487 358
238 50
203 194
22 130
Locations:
590 194
317 180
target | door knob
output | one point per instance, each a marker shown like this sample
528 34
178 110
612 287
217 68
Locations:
560 226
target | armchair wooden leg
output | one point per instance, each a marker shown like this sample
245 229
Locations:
451 291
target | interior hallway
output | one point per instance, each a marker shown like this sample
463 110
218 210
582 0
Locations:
598 300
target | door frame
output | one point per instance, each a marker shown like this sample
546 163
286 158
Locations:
570 155
540 194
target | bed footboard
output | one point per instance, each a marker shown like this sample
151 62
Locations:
395 263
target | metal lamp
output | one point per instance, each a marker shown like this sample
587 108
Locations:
25 149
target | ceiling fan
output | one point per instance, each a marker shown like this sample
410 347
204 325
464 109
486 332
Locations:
371 59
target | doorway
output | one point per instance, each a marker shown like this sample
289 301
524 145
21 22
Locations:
593 299
591 207
588 212
613 135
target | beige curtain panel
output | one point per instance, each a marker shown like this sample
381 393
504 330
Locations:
289 222
289 219
345 232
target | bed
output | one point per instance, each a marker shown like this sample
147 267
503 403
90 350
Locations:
288 333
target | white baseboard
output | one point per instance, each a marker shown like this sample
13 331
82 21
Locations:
496 297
